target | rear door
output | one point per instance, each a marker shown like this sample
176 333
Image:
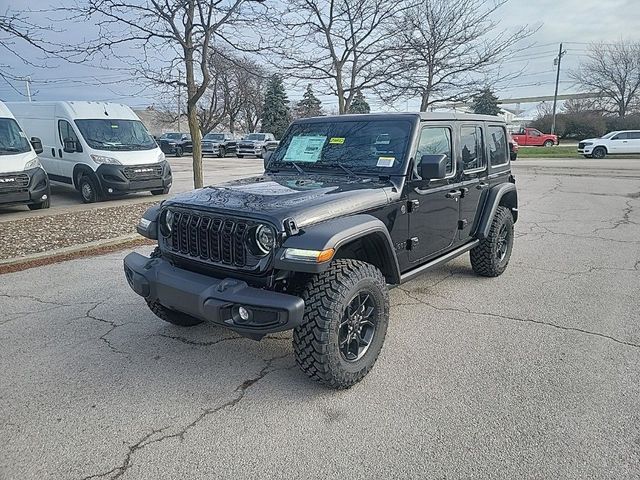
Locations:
433 211
475 182
634 142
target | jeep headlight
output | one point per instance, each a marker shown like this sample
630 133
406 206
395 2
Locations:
166 222
106 160
262 239
33 163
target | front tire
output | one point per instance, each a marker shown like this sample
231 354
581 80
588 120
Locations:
89 190
549 143
346 317
599 153
40 206
491 257
172 316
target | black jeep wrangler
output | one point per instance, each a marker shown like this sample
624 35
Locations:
348 206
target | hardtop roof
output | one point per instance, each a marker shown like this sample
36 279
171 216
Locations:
423 116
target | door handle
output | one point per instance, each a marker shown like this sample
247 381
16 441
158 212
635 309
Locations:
60 153
454 194
482 186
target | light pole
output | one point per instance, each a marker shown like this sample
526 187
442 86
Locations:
557 62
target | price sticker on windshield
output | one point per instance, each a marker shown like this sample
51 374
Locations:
385 161
336 140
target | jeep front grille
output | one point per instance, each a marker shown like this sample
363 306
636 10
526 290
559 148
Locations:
143 172
209 238
14 182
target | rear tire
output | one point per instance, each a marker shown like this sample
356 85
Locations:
89 190
345 323
491 257
599 153
172 316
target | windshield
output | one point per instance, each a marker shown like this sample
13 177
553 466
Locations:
255 136
171 136
378 146
12 138
214 136
103 134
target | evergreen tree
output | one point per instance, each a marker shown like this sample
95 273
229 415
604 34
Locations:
486 102
359 104
309 106
275 114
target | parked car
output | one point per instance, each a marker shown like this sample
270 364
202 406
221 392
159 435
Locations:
530 137
101 149
218 144
257 144
513 148
342 212
175 143
22 178
613 143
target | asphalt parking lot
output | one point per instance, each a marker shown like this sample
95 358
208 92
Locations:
534 374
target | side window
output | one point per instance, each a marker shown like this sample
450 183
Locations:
634 135
472 146
435 141
66 133
497 140
621 136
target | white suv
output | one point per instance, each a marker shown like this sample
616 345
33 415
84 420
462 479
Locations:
614 143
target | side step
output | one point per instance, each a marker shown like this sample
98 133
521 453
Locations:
411 274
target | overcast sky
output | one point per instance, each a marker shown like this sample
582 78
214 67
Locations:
574 22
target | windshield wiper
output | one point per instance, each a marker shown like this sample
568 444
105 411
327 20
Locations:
297 167
346 170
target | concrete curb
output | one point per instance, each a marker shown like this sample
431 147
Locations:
83 247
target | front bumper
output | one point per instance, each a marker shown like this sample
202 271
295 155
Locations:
113 180
37 191
211 148
213 299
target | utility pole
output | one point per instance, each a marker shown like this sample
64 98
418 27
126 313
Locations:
179 100
28 82
557 62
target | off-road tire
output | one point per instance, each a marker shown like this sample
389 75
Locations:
172 316
89 189
39 206
599 153
160 191
549 143
326 297
485 260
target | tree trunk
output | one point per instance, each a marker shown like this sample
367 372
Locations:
192 118
424 104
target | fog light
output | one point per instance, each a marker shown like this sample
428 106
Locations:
110 190
244 313
43 197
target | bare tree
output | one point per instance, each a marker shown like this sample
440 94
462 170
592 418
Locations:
341 43
448 49
160 37
613 71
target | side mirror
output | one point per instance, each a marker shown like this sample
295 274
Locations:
266 158
433 167
70 146
36 143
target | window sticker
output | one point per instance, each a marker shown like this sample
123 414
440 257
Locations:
336 140
385 161
22 134
305 149
383 139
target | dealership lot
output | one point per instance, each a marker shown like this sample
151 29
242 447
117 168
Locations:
530 375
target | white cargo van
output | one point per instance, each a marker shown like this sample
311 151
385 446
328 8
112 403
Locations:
101 149
22 178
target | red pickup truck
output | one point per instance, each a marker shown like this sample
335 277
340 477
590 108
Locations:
530 137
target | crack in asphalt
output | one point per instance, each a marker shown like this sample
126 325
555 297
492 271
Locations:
240 392
39 300
520 319
199 343
625 220
548 231
114 325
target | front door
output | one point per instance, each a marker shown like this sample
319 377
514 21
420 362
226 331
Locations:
474 177
67 158
433 206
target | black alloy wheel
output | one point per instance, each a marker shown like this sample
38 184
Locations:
357 328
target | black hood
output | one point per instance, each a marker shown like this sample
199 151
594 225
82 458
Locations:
308 200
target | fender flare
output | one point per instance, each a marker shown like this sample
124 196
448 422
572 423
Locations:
506 191
85 169
335 234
